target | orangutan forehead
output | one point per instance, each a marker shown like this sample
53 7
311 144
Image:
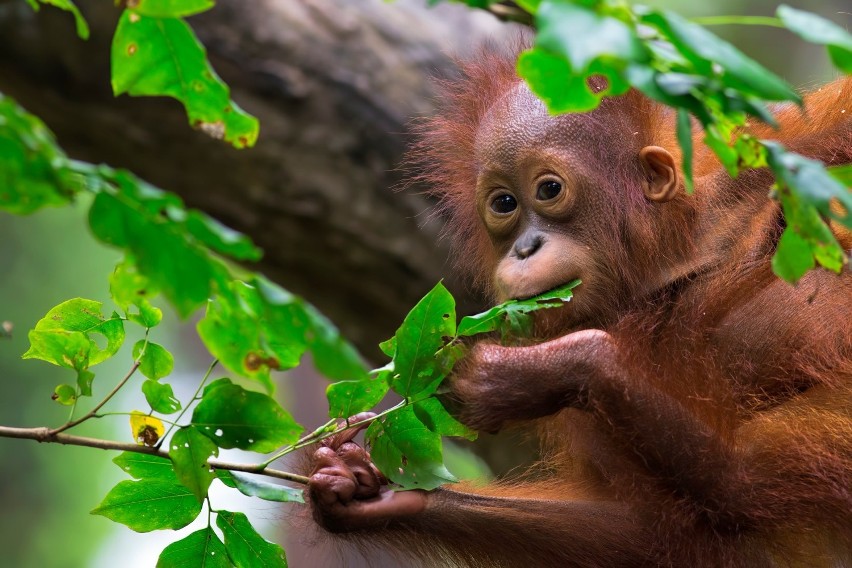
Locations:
519 121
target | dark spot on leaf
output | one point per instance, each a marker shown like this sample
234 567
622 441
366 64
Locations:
54 396
148 435
273 363
131 49
253 361
228 109
404 460
446 316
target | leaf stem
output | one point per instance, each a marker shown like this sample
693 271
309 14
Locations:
321 433
194 396
94 411
739 20
46 435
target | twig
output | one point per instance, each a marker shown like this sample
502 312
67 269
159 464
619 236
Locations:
46 435
100 405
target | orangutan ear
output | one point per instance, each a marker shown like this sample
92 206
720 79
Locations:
661 179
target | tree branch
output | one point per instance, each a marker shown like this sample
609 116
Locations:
46 435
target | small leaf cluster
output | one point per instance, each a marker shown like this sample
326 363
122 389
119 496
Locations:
160 498
156 53
406 442
683 65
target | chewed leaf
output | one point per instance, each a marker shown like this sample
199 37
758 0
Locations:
162 56
64 336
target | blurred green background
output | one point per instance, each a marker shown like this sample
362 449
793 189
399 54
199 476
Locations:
46 491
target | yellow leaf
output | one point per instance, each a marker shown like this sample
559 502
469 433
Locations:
147 430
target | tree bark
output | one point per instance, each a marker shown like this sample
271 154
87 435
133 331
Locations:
335 84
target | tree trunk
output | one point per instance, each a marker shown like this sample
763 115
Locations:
334 83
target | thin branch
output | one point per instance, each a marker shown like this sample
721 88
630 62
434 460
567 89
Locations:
46 435
100 405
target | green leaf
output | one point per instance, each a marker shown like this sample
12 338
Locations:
149 505
181 269
65 395
33 169
348 398
816 29
201 549
500 317
237 418
843 174
810 180
189 451
251 485
245 546
171 8
551 78
162 56
84 382
793 258
69 6
161 397
583 36
708 52
221 238
63 336
261 326
129 288
406 450
146 466
155 363
423 332
684 138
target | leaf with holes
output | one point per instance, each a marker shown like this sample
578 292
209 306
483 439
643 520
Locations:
234 417
189 451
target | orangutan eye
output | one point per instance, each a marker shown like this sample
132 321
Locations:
548 190
503 204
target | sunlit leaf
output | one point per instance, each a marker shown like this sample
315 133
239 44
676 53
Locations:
160 396
246 548
149 505
65 395
146 466
234 417
155 363
129 288
423 332
348 398
170 8
162 56
189 451
59 336
201 549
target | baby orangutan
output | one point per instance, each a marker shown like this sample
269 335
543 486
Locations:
693 409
